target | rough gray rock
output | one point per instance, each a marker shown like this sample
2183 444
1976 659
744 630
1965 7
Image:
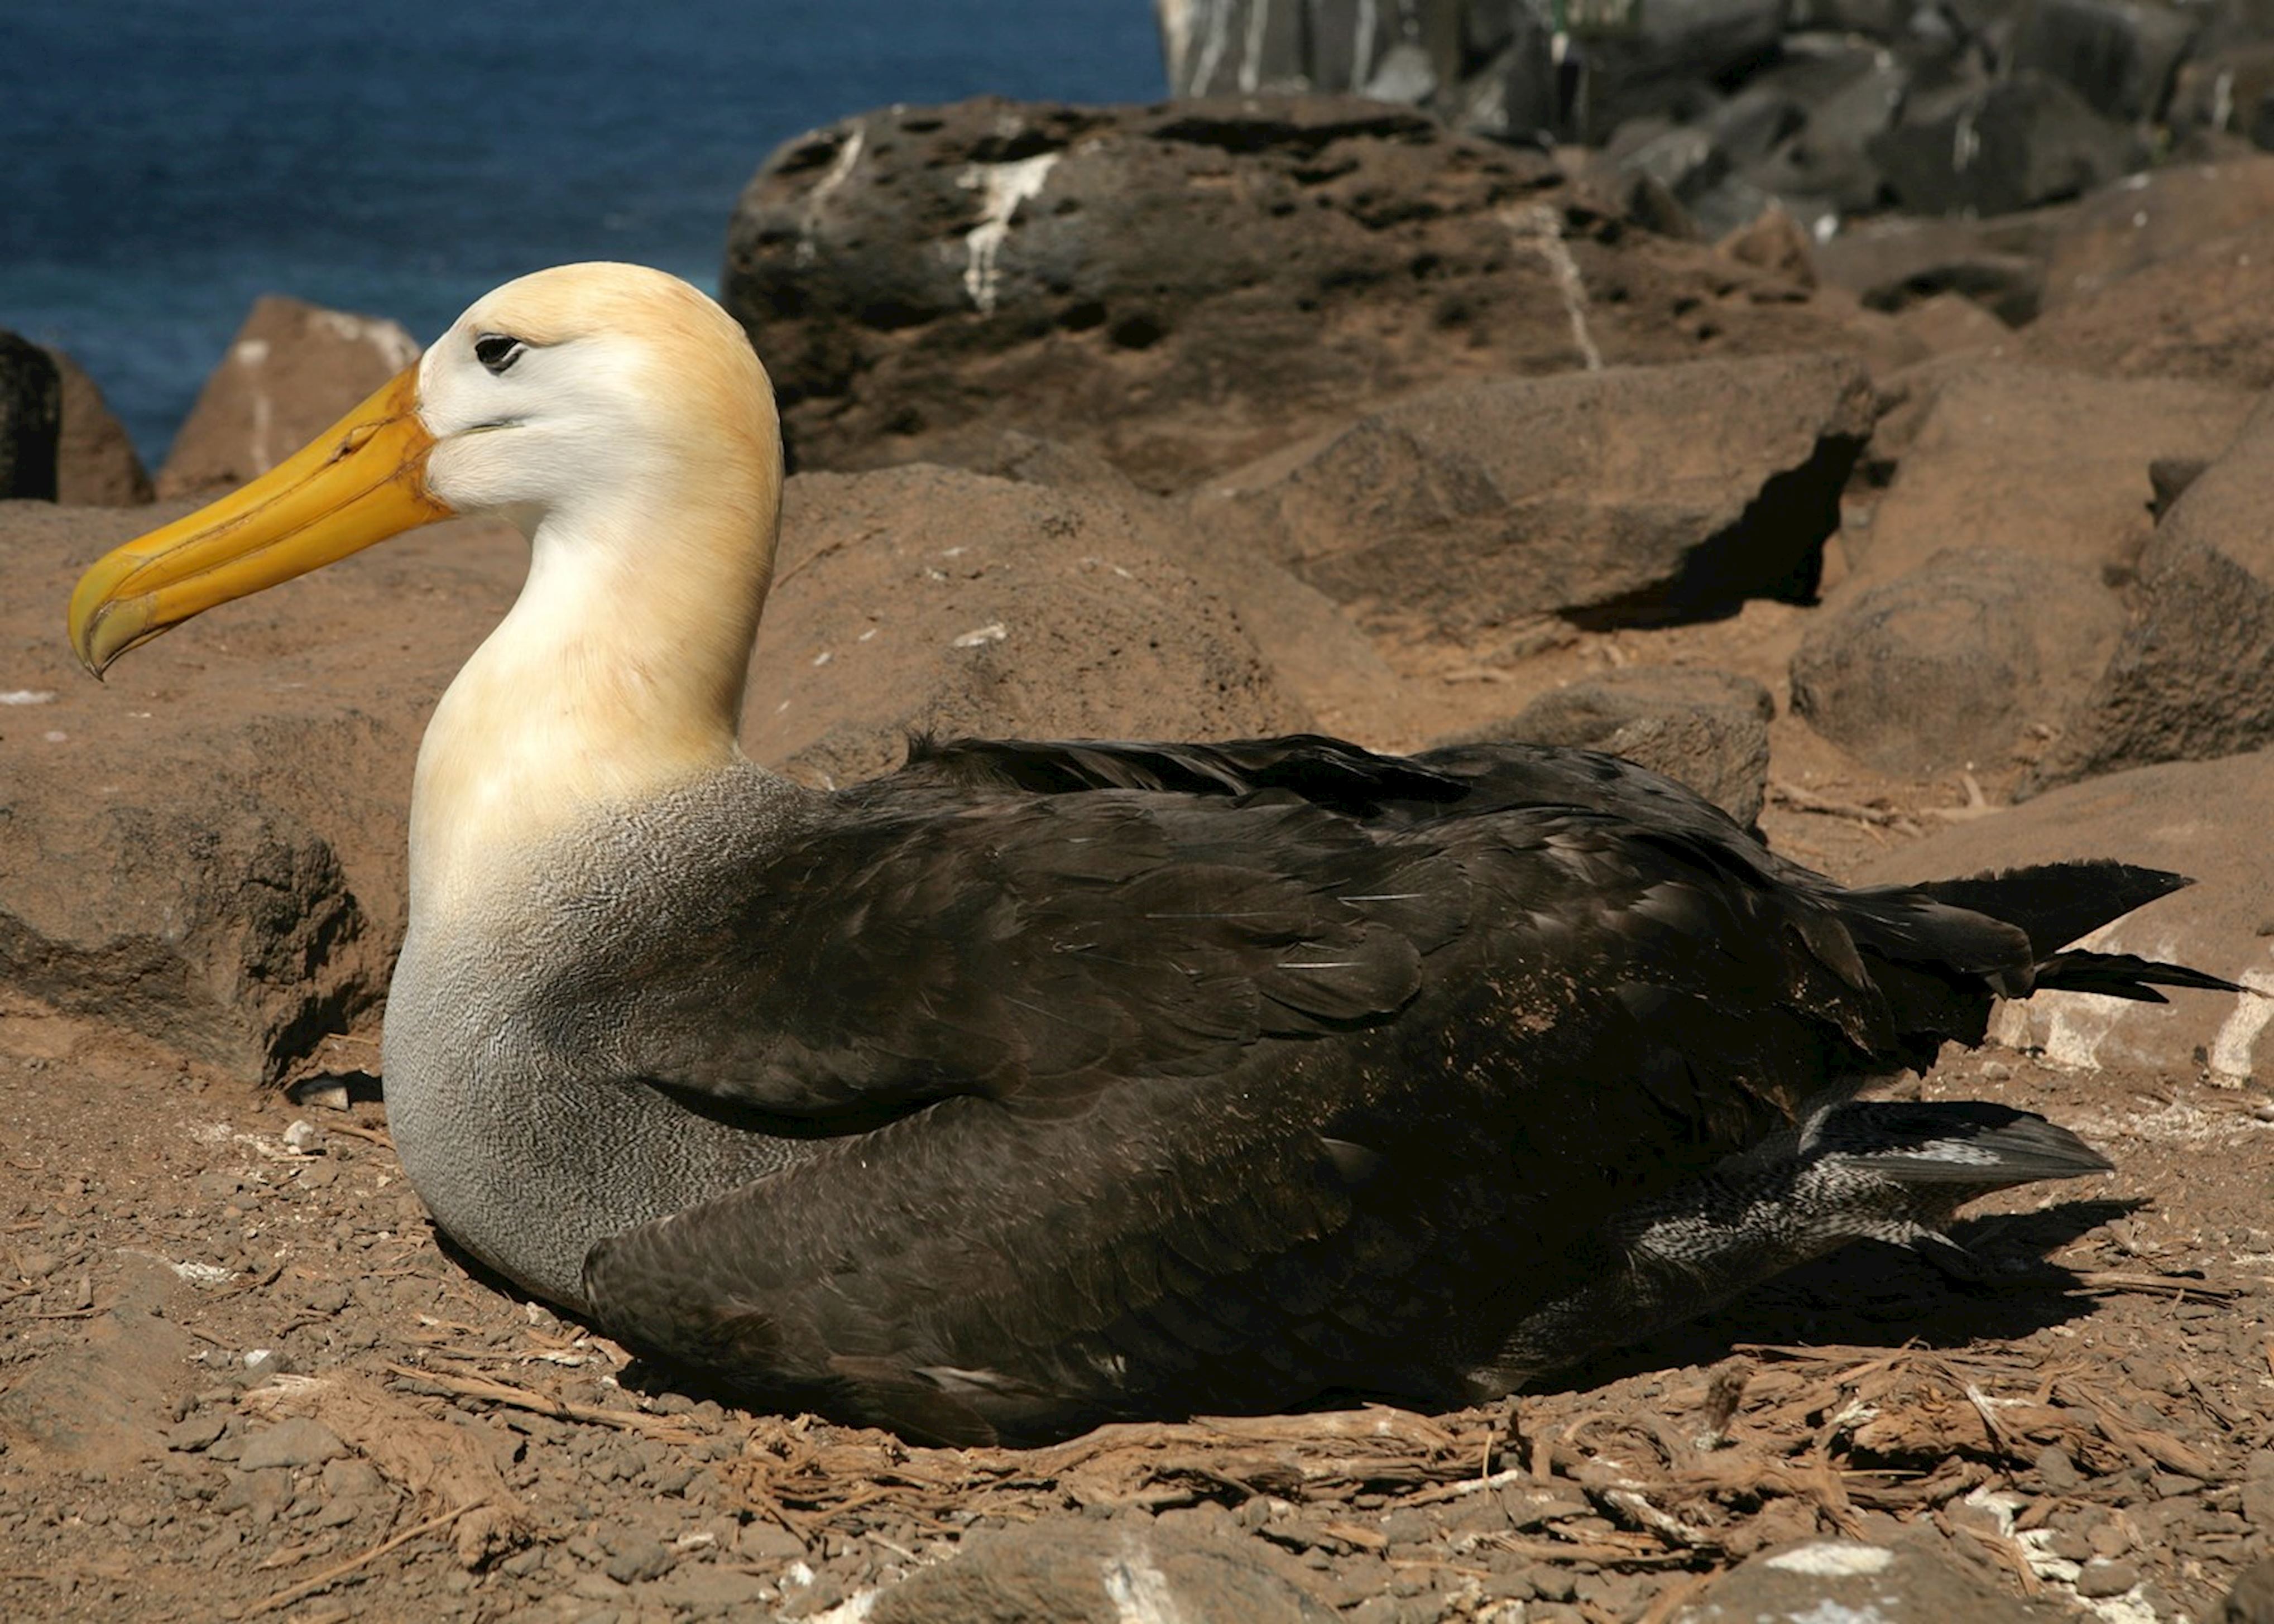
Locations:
96 465
1952 665
295 1442
1707 729
31 411
1185 288
1827 1578
2022 141
928 598
2194 674
290 372
2119 55
2204 819
1631 496
1072 1571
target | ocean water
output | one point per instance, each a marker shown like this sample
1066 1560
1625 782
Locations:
162 162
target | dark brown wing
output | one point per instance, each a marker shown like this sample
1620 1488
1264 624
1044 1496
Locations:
1204 1099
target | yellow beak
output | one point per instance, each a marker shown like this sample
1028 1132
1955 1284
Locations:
360 482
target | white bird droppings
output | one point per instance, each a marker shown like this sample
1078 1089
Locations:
1835 1559
994 632
1004 187
28 696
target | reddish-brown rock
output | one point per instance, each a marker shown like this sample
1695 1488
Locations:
291 370
1631 496
2027 459
2201 314
2193 676
933 599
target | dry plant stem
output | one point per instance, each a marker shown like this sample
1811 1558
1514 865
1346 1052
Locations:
309 1587
545 1404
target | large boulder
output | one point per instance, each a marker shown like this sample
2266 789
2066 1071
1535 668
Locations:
2146 219
2036 462
927 599
2118 55
31 411
2204 819
1964 662
1631 496
291 370
2019 142
2202 314
95 462
2194 674
1185 288
208 848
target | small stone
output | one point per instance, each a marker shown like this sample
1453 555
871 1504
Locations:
37 1265
262 1363
302 1136
635 1558
293 1443
323 1093
197 1433
768 1541
327 1297
2058 1471
2098 1579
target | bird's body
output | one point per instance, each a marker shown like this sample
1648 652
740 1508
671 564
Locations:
1043 1084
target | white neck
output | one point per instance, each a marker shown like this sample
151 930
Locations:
617 674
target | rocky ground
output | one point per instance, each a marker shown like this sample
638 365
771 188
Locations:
1225 418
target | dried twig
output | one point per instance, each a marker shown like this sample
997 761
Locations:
549 1404
308 1587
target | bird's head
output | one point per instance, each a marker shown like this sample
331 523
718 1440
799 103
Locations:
596 391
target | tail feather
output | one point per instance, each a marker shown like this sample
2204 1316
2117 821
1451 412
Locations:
2055 904
2123 975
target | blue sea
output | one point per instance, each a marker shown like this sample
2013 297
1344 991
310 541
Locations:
162 162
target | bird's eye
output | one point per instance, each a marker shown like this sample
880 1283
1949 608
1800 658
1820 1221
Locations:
497 351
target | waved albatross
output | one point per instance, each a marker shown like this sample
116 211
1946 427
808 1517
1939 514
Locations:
1042 1083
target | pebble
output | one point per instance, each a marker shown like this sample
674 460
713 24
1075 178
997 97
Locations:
2058 1471
297 1442
196 1433
302 1136
2101 1579
2263 1110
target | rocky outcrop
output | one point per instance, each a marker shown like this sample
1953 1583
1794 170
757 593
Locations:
1183 289
2032 461
96 465
2199 314
290 372
1960 663
927 599
1707 729
31 409
2194 674
1631 496
208 849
